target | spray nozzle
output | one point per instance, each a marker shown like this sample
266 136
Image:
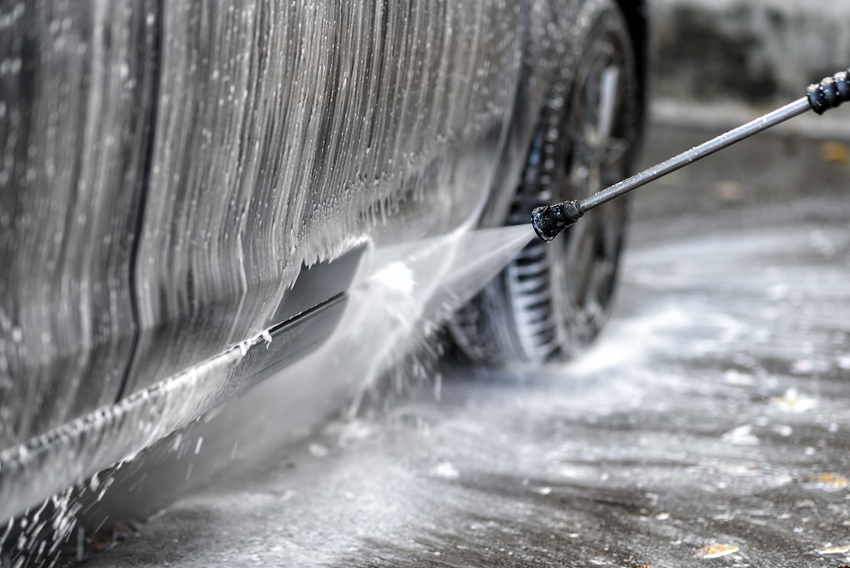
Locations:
550 220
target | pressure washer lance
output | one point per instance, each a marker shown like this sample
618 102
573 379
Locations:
550 220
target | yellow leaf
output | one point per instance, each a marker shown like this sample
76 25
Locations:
835 152
716 550
834 550
833 480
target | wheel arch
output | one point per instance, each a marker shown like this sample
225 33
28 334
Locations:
636 13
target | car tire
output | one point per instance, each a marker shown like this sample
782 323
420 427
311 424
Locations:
553 299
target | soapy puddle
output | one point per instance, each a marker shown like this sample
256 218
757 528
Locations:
685 437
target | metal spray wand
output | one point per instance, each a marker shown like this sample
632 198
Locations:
550 220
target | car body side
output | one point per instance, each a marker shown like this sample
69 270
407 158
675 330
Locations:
169 170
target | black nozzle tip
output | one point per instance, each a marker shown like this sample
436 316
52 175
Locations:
550 220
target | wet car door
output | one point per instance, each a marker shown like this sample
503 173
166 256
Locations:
169 169
290 133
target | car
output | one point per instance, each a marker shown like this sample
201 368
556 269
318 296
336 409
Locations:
188 189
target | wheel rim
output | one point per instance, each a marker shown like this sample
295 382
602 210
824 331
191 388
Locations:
562 291
584 262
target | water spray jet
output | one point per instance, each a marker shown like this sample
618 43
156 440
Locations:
550 220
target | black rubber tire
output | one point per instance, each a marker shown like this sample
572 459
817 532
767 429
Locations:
550 303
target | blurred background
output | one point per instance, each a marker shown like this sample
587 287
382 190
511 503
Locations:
719 59
721 63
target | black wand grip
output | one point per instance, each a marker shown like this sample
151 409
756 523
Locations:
830 92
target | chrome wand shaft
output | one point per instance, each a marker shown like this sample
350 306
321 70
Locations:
550 220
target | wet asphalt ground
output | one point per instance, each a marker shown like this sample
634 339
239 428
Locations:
714 409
